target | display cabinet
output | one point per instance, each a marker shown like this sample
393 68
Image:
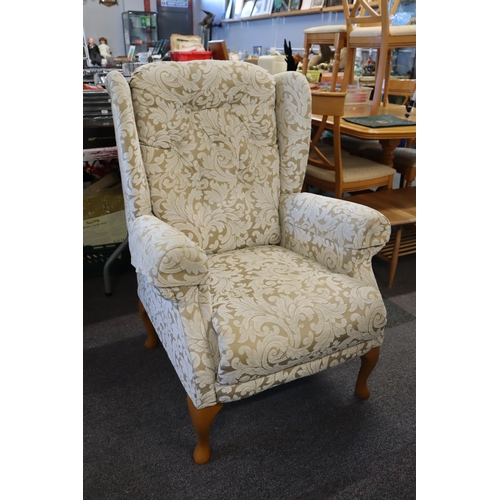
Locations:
140 29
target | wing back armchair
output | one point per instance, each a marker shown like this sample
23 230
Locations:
245 281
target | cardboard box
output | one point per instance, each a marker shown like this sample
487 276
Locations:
104 217
110 180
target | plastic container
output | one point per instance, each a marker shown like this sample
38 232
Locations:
274 63
129 67
191 55
357 95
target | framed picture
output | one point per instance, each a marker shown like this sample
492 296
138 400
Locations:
219 50
262 7
131 52
238 7
280 6
293 4
229 10
316 4
247 8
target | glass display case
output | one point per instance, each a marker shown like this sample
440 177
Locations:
140 29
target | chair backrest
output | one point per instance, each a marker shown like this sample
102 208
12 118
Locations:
402 87
219 143
328 104
368 13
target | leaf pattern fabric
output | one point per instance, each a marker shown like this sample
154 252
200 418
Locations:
249 282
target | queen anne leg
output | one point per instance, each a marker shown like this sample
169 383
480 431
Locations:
202 421
368 362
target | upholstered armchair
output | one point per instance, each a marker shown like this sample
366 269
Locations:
245 281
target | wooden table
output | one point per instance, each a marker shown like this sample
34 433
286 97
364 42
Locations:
389 137
399 206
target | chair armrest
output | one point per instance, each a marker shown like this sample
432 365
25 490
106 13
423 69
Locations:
341 235
164 255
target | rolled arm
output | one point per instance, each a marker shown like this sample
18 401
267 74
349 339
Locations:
164 255
339 234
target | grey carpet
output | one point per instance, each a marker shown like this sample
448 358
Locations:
311 439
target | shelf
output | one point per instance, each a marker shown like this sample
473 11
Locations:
336 8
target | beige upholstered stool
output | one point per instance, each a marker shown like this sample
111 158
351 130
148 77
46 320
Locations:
400 207
334 35
404 161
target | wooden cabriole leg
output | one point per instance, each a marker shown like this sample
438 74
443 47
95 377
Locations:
202 422
368 363
152 339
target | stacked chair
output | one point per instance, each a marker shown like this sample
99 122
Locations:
335 35
370 28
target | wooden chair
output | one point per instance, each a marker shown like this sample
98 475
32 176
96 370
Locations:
347 173
402 87
370 29
333 35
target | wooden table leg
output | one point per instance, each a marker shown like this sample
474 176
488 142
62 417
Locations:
388 147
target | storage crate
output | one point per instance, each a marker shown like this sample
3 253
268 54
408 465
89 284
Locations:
191 55
94 259
357 95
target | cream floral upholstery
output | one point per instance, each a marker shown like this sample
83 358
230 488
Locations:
248 282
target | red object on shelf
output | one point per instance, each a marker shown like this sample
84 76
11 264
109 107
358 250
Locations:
191 55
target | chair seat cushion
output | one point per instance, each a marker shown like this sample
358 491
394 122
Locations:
333 28
273 309
406 30
355 168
